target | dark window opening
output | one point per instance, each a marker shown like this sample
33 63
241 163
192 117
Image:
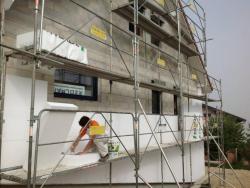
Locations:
132 29
155 41
156 19
75 86
156 102
139 31
175 105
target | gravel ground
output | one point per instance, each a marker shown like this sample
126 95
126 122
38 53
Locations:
244 176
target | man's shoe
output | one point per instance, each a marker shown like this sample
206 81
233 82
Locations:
104 159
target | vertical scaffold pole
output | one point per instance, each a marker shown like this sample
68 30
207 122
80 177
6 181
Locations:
222 131
181 111
38 50
3 78
161 140
136 120
110 85
32 101
206 102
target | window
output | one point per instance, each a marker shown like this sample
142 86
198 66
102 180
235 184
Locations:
76 86
132 29
156 19
155 41
159 22
139 31
175 105
156 102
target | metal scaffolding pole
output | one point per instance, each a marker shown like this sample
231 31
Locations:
32 102
161 141
159 145
225 158
222 129
136 99
206 102
37 144
39 49
3 78
110 85
208 141
181 110
136 87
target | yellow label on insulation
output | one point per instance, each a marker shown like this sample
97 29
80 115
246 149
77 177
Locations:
98 32
161 62
194 77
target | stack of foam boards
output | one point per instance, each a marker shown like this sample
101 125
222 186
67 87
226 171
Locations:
54 127
55 44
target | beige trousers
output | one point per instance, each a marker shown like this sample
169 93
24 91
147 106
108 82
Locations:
101 145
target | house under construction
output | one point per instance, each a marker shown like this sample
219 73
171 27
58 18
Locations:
137 67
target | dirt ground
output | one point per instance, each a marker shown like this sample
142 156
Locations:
244 176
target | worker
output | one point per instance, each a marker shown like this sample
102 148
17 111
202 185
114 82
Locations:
99 141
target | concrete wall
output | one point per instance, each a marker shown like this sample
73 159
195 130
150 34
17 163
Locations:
19 19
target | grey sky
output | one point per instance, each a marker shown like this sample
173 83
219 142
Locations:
228 23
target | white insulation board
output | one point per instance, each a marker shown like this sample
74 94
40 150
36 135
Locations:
58 126
55 44
16 115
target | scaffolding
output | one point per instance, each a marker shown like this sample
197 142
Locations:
193 31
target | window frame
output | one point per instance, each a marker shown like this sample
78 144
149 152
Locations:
156 20
93 97
139 30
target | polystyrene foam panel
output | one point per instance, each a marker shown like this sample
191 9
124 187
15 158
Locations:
16 115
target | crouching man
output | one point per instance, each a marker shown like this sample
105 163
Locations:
98 141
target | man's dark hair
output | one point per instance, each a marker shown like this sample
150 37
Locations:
83 121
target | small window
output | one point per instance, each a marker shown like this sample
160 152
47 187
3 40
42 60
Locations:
175 105
156 19
139 31
75 86
154 40
132 29
156 102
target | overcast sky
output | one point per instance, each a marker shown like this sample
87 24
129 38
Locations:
228 23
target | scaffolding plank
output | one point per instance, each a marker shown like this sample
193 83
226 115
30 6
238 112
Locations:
126 12
20 175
